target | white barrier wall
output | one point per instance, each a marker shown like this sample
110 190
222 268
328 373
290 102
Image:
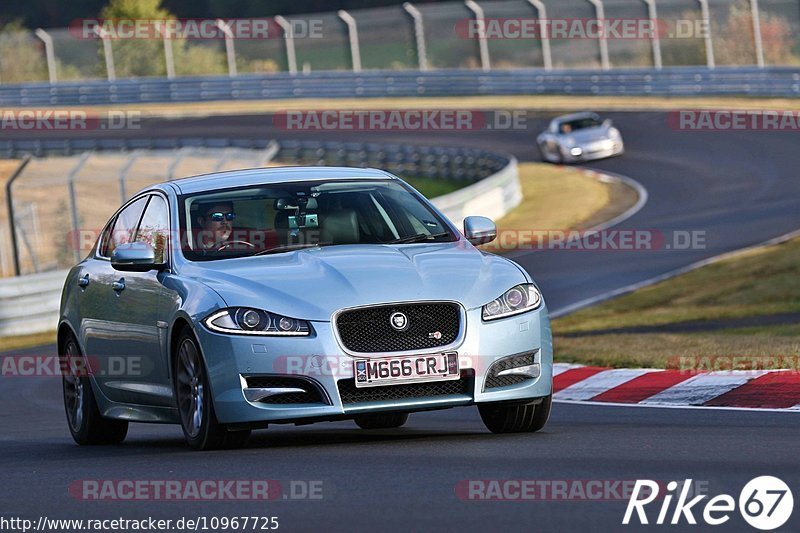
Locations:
491 197
29 304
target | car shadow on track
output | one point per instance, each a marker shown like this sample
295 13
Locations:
280 439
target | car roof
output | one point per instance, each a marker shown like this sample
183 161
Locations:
575 116
259 176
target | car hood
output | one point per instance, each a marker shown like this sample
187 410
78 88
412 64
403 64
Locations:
314 283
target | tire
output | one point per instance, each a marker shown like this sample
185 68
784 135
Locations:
195 407
381 420
86 425
549 157
516 418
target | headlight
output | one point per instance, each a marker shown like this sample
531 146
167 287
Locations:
516 300
247 321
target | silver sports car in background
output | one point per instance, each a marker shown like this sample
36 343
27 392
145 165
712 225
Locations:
234 300
579 137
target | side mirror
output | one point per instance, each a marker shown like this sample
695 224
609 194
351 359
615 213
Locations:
608 123
134 257
479 230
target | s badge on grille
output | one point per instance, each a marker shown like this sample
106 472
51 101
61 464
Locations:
399 321
435 335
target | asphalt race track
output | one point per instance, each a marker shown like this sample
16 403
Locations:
740 188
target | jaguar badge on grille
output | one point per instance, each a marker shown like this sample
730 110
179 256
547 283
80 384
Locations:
399 321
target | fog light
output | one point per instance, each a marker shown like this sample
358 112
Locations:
576 151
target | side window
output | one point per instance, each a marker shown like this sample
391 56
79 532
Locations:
105 239
124 227
154 227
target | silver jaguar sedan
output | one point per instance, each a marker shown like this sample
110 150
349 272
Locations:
579 137
234 300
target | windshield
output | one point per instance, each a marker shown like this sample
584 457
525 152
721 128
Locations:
282 217
579 124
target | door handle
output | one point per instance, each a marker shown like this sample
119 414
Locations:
84 281
118 285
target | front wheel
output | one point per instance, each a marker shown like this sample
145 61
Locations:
381 420
199 423
86 424
549 156
516 418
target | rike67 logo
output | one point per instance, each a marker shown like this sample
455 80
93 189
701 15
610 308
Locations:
765 503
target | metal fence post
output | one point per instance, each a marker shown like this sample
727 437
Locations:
473 6
230 51
352 31
169 60
226 154
49 53
108 53
269 153
123 173
655 40
73 200
757 32
10 206
288 36
704 12
541 12
419 34
600 14
182 152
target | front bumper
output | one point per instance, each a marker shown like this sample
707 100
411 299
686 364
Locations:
319 360
594 150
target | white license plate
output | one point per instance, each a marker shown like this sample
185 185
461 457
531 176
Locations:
406 369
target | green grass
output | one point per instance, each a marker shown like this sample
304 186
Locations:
431 188
756 283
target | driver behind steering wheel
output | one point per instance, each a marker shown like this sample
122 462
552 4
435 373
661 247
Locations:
216 225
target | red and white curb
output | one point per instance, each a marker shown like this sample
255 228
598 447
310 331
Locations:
743 389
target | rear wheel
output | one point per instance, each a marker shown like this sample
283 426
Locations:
381 420
516 418
86 424
199 423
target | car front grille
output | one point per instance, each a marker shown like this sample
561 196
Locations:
350 394
515 361
431 326
311 392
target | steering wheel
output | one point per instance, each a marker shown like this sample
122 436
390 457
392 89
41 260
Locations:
227 244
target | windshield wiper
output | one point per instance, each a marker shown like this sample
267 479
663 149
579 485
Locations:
419 237
285 248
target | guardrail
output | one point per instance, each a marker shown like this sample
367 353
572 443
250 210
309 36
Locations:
671 81
30 303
